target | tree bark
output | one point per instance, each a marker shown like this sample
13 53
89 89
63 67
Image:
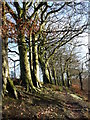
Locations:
62 76
50 76
68 77
68 85
24 63
31 58
80 78
22 47
54 75
7 82
36 79
44 70
62 72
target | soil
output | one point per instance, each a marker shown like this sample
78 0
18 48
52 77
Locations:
51 103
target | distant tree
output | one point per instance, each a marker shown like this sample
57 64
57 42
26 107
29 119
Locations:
56 33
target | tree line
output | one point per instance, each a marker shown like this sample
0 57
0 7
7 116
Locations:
43 32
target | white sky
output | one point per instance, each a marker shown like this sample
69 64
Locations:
84 40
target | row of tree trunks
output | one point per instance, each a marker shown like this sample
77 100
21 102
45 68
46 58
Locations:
28 66
24 63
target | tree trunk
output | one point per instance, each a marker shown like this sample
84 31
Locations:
30 53
81 83
62 72
62 76
24 63
36 79
46 74
54 75
44 70
68 78
31 59
7 82
50 76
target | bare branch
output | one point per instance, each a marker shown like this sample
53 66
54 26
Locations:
13 51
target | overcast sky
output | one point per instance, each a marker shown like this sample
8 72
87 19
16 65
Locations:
84 40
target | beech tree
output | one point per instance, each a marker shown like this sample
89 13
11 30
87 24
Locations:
57 35
7 82
20 19
40 30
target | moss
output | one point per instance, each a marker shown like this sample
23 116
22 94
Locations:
13 87
75 96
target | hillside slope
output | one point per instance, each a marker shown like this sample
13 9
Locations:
52 103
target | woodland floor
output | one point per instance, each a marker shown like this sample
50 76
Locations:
52 103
